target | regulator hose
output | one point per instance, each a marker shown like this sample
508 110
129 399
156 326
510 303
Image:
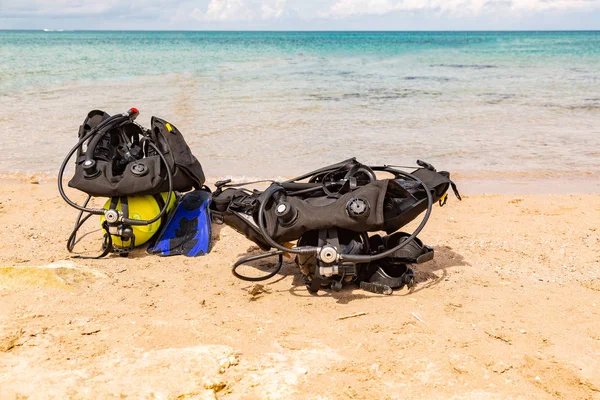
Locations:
130 221
245 260
358 258
78 223
61 171
271 190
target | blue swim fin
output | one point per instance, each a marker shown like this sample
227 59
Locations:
188 230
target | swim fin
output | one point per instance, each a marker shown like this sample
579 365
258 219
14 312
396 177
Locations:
188 230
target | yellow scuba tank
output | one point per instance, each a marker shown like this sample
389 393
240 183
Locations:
144 207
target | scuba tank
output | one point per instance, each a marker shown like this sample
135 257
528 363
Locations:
143 207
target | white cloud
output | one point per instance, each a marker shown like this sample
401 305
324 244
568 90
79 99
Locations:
542 5
241 10
348 8
213 11
75 8
227 10
285 14
272 9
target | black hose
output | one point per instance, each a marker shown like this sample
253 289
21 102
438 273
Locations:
254 258
73 237
89 152
61 190
130 221
358 258
61 171
78 223
271 190
322 170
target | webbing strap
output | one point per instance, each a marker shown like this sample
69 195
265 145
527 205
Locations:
161 203
455 190
78 223
124 206
107 245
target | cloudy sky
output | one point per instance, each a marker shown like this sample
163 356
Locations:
300 14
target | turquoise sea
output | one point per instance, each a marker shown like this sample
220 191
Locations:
259 104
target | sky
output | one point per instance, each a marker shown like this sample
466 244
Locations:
301 14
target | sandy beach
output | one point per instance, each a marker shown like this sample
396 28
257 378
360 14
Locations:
505 95
509 308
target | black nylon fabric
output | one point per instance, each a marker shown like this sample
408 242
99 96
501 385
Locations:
111 181
93 118
177 149
235 208
323 212
393 203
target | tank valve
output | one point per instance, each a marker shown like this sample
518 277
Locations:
125 232
328 254
111 216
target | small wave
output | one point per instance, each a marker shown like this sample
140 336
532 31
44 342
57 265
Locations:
306 73
535 174
497 98
28 177
428 78
375 94
573 107
588 107
323 97
473 66
453 154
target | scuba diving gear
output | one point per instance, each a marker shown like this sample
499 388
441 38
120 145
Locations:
320 266
329 212
394 272
383 281
118 158
414 252
188 230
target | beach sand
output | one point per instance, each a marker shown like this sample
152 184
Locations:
509 308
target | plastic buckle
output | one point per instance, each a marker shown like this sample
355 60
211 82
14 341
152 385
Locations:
426 165
224 182
443 199
244 202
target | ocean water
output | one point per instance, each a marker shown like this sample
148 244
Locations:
261 104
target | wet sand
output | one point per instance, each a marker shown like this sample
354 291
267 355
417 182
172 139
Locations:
509 308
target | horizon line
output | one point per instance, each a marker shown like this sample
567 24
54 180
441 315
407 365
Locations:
58 30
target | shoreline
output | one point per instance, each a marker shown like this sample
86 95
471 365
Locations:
469 184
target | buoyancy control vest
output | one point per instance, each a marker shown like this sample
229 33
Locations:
116 162
329 213
119 159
